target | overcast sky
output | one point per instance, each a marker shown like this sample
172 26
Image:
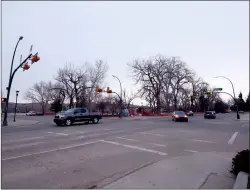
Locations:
212 37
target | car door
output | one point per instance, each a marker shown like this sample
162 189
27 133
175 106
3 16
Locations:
84 115
77 115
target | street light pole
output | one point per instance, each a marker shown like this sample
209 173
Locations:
15 106
5 122
237 110
120 87
25 66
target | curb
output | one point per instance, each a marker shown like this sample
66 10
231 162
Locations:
241 181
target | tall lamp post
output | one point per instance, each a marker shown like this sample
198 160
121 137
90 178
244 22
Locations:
24 64
120 87
237 111
17 92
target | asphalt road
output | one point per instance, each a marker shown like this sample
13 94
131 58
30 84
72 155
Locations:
91 156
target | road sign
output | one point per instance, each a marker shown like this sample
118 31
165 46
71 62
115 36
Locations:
218 89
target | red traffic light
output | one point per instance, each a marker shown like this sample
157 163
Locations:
98 90
26 67
35 58
109 91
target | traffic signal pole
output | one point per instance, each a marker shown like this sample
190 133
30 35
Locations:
5 122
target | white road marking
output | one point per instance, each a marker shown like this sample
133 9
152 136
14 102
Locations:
52 150
160 135
232 139
18 140
123 138
160 145
127 139
135 147
96 135
63 134
193 151
203 141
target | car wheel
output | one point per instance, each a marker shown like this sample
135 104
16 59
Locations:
187 120
68 122
95 120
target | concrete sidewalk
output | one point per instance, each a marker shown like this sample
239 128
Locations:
196 171
21 123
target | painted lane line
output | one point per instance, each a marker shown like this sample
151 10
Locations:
135 147
232 139
145 133
160 145
18 140
63 134
202 141
96 135
50 132
48 151
193 151
127 139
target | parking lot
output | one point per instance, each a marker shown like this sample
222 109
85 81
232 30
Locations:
92 156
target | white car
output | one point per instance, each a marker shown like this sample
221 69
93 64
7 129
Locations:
31 113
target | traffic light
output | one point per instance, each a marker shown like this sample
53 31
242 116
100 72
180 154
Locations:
109 91
26 66
35 58
98 90
3 99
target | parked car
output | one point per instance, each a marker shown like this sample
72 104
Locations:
210 115
31 113
179 116
76 115
190 113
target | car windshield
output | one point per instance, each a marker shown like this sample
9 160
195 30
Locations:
69 111
179 113
209 112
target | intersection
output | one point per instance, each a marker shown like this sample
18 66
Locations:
93 156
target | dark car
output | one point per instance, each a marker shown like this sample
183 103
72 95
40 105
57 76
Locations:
210 115
179 116
77 115
190 113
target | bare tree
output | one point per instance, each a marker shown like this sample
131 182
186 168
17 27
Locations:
39 93
96 74
150 74
73 79
129 97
